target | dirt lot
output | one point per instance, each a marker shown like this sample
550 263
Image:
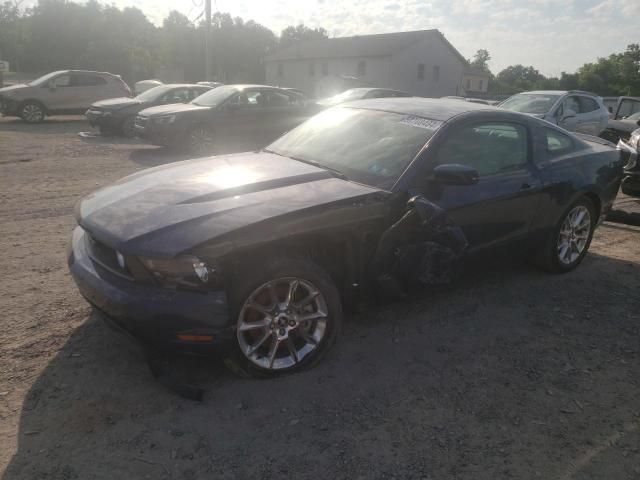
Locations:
508 373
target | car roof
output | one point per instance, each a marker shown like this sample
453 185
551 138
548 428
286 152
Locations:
178 85
432 108
245 86
94 72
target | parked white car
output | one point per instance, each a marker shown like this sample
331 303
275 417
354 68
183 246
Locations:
144 85
573 110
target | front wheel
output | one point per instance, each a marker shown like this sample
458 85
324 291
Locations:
128 127
569 242
200 141
288 315
32 112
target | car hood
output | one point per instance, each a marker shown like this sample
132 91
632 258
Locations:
116 103
173 108
167 210
19 86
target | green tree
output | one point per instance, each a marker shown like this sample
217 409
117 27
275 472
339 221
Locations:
481 60
301 33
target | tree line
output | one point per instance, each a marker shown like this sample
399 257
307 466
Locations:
60 34
617 74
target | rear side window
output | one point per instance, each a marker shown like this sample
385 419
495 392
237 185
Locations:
587 104
490 148
557 142
62 81
81 80
178 95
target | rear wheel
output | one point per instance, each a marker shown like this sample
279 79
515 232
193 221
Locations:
32 112
200 141
569 242
288 315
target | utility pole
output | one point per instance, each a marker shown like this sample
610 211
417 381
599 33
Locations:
207 40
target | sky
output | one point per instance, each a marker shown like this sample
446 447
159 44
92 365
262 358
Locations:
551 35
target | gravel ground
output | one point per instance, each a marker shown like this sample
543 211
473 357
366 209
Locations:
508 373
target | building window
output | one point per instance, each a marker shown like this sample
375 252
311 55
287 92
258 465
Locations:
480 85
312 69
280 69
325 68
436 73
468 87
421 71
362 68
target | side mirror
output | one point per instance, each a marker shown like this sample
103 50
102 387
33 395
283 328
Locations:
455 174
568 114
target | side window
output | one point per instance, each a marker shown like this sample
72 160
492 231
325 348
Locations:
62 81
421 71
490 148
588 105
557 142
571 103
82 80
179 95
196 92
628 107
436 73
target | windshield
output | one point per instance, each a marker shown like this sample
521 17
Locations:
530 103
214 97
368 146
153 93
43 79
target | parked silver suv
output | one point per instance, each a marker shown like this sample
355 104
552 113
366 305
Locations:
573 110
66 92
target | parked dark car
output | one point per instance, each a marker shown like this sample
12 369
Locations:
256 253
621 129
117 115
230 118
630 148
361 93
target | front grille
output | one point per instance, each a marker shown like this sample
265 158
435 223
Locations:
106 257
141 121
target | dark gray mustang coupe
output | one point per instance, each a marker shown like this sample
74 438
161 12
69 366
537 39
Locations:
255 254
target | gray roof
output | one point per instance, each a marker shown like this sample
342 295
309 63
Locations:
441 109
359 46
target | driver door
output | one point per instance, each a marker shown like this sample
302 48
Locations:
59 94
501 206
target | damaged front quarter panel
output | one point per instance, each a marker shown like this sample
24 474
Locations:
423 247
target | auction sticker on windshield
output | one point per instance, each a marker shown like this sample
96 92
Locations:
421 122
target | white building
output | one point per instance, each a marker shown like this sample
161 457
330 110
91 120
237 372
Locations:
475 82
422 63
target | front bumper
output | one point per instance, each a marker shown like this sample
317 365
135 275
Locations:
151 314
8 107
98 118
157 133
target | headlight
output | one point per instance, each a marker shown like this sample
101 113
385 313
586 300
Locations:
185 271
164 119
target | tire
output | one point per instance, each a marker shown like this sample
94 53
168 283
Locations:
291 334
567 245
32 112
200 141
128 127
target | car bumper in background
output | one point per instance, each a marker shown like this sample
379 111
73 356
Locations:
164 318
8 107
157 134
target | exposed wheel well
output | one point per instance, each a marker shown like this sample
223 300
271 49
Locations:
596 203
31 100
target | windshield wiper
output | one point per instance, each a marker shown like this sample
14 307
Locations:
337 173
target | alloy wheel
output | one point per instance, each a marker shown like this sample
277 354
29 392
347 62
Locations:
32 113
281 322
574 234
201 141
